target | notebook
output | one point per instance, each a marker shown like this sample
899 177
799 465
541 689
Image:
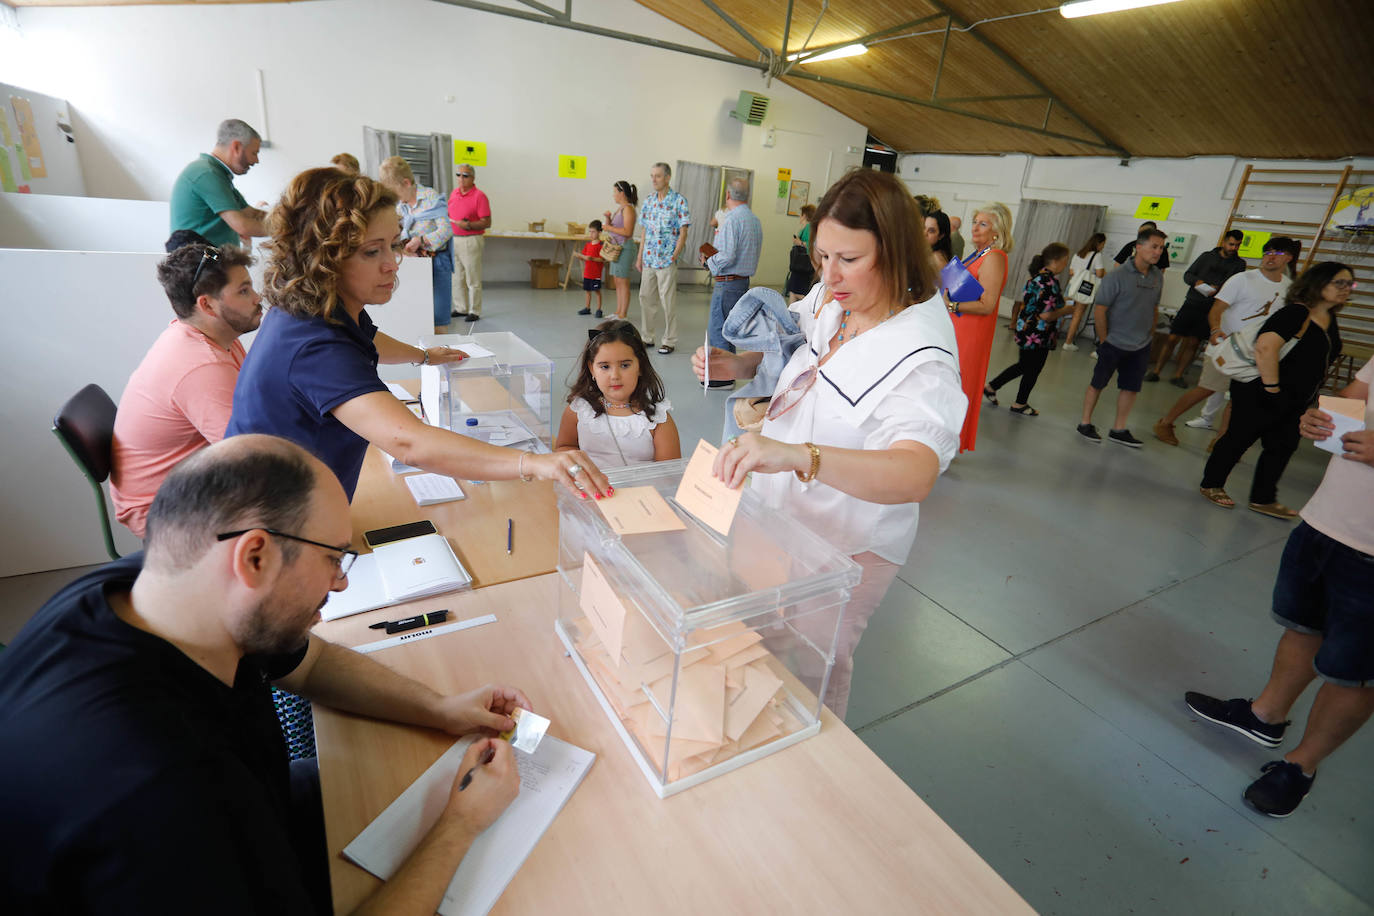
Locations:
548 778
396 573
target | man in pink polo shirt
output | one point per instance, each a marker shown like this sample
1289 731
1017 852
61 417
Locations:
179 398
470 213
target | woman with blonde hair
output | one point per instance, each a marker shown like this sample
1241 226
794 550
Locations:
865 415
311 375
425 229
975 323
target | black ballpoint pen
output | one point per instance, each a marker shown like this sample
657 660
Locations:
485 759
510 535
410 623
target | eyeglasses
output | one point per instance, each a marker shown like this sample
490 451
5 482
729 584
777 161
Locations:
1344 284
467 175
344 561
792 394
1269 251
209 254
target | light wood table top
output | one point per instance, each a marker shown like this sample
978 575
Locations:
823 826
476 526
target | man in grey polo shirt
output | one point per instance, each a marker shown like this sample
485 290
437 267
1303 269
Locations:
1125 311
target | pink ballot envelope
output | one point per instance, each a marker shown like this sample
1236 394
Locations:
639 510
961 285
602 606
701 494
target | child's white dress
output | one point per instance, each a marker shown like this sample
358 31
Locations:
614 442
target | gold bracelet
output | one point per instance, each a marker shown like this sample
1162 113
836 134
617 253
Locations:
815 464
520 466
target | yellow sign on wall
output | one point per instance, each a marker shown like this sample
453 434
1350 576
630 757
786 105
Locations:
572 166
1155 208
1253 244
469 152
784 174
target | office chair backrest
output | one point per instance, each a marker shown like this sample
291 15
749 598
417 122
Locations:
85 427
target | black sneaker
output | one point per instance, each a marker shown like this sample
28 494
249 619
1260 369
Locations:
587 312
598 313
471 317
1280 790
1089 432
1124 437
1151 376
456 314
1178 382
1236 714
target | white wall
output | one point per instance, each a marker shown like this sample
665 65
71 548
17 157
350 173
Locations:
1203 190
77 317
57 150
149 101
81 223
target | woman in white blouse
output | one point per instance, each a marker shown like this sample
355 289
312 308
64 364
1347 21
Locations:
866 414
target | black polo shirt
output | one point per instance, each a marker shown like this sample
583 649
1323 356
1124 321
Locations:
131 779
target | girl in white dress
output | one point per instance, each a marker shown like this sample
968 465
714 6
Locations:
617 409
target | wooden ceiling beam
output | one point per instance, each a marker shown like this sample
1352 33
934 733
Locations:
743 32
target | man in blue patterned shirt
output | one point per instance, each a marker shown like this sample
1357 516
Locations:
737 245
665 217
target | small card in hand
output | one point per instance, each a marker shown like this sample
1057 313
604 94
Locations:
708 249
528 732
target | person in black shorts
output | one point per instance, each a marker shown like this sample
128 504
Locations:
1125 309
1190 327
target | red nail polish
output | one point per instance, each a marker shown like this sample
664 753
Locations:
610 491
581 495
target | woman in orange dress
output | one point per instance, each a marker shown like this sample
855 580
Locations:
975 322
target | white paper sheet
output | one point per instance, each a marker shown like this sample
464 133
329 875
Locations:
1343 424
548 778
400 391
431 489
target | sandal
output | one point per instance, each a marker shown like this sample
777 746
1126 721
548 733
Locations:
990 395
1025 410
1218 497
1274 510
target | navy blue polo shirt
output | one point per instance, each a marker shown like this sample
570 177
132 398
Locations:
297 371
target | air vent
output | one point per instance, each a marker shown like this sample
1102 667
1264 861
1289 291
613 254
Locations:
751 108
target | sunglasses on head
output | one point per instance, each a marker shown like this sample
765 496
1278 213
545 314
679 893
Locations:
209 254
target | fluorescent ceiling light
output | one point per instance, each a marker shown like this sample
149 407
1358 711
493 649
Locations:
846 51
1077 8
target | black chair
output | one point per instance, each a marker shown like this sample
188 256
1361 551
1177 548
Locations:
85 427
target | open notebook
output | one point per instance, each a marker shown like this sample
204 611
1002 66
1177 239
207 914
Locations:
548 778
396 573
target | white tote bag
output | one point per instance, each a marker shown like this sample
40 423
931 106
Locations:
1083 284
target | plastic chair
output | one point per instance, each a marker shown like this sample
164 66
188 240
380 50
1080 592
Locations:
85 427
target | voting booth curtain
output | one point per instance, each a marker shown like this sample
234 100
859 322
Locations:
1040 222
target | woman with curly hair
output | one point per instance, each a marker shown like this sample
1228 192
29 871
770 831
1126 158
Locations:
311 375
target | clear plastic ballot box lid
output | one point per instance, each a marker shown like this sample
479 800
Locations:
509 392
725 643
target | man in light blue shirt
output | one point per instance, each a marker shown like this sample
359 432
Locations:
738 243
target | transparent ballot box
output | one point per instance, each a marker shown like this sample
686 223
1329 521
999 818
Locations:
705 651
505 398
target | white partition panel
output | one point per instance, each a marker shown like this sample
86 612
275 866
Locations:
79 317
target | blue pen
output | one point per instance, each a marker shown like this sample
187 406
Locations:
510 535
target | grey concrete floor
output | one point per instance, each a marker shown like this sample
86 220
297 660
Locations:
1025 674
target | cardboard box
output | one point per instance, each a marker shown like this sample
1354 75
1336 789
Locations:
543 274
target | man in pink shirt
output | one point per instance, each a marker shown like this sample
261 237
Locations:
470 213
1322 599
179 398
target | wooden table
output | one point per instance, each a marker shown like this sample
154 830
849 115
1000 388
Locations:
823 826
562 240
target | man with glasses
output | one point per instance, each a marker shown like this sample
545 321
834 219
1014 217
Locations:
181 395
141 763
1245 295
470 213
204 199
1125 311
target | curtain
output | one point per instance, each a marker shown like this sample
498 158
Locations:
441 161
377 145
1040 222
701 185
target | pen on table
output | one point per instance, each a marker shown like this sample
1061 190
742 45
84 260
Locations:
482 761
410 623
510 535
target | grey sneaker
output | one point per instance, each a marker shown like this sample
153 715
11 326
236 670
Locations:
1280 790
1124 437
1089 432
1236 715
1199 423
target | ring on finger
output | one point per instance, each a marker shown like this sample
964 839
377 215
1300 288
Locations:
574 470
734 440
